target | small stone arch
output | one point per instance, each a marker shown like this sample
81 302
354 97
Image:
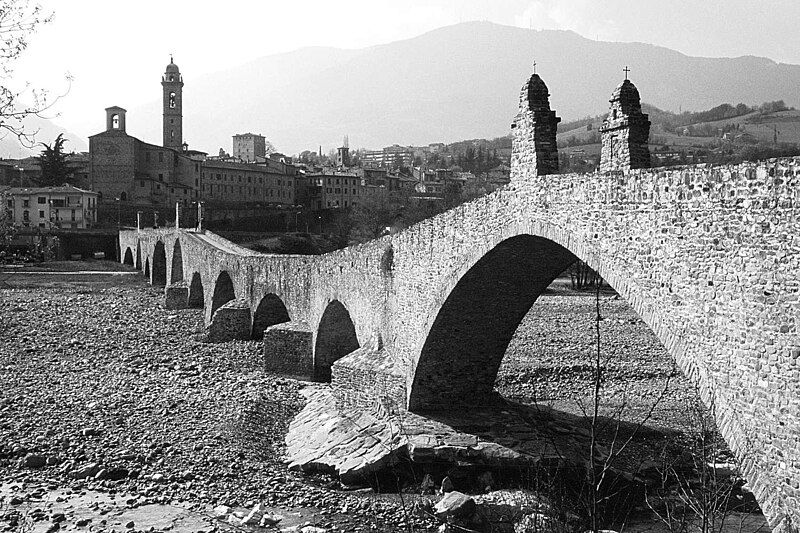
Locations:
147 267
138 255
196 294
223 291
159 265
336 337
128 259
270 311
177 263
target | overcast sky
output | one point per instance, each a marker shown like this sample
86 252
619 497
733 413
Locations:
116 50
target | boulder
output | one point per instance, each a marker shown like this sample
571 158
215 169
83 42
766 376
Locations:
454 504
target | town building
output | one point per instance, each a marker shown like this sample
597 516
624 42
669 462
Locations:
139 175
249 147
391 157
330 189
64 207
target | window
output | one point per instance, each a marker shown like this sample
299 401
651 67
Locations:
41 200
11 204
172 134
41 214
123 196
345 203
26 203
141 183
160 157
26 216
172 190
73 215
196 167
158 187
196 182
161 177
115 121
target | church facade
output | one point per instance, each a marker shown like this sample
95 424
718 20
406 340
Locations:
138 174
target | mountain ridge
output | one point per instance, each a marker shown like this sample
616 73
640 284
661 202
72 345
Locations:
451 83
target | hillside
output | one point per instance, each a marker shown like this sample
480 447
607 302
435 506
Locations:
457 82
45 131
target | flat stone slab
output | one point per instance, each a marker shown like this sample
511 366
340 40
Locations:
495 435
353 444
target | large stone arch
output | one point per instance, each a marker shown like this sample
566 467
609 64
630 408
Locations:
138 255
176 273
465 345
196 293
270 311
336 337
128 259
159 264
223 292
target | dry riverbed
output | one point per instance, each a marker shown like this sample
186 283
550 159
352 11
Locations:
113 409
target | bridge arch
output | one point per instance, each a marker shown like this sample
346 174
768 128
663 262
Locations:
138 255
335 338
196 293
477 317
159 265
177 263
270 311
128 258
223 291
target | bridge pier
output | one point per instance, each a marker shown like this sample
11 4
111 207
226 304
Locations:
289 349
366 376
176 295
230 322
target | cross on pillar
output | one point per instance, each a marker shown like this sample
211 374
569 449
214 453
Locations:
626 70
534 66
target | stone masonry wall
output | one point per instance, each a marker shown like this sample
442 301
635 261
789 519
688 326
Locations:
708 256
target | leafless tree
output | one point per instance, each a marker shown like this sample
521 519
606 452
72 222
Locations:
19 20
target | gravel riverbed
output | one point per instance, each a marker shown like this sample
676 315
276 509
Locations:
96 374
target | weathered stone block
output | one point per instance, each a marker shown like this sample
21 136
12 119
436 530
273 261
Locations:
289 349
230 322
366 377
176 296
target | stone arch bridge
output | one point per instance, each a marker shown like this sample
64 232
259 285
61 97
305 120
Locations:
709 257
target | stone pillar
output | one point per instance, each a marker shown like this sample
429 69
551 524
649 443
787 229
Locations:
625 132
177 215
176 296
534 150
199 216
155 219
138 220
230 322
289 349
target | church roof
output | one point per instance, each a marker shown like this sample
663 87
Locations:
172 68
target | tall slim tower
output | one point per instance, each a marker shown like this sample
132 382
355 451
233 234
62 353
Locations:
534 150
625 131
172 84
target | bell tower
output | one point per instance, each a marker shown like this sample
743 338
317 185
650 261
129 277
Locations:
172 84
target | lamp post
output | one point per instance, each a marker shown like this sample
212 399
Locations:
118 213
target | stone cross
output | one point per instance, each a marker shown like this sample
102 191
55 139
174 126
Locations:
534 66
626 70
